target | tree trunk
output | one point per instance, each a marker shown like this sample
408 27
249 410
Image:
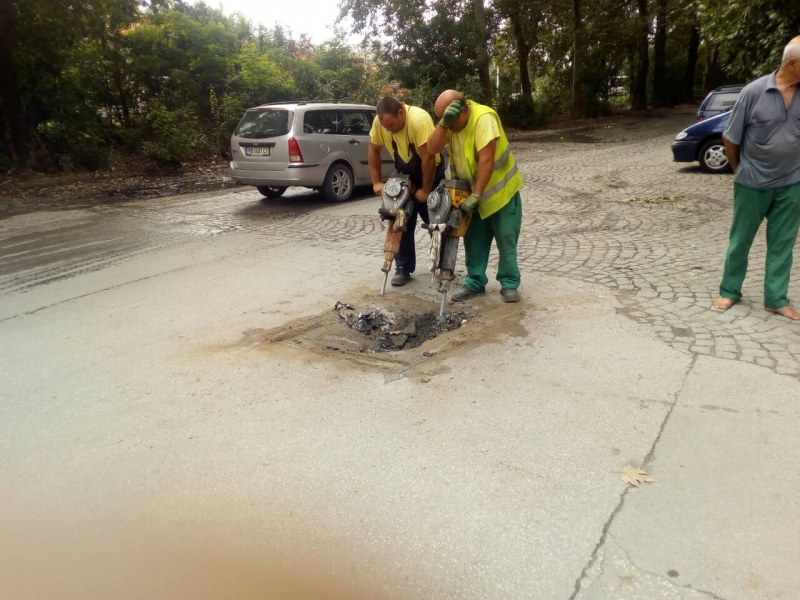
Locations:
523 52
660 97
691 65
17 133
577 59
711 74
483 55
639 100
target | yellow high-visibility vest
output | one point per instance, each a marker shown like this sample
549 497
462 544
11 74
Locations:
505 180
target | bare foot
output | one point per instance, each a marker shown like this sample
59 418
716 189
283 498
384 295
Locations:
723 303
790 312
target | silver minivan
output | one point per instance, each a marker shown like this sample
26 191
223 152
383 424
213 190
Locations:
320 145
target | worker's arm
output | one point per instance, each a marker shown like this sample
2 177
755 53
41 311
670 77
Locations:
428 172
482 176
437 140
732 151
375 162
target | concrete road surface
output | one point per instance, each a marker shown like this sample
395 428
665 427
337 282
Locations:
180 419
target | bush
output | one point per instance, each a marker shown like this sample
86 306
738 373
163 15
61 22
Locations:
171 136
73 148
518 112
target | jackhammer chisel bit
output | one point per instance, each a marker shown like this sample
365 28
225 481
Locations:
391 245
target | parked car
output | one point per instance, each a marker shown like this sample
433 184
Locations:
320 145
703 142
718 101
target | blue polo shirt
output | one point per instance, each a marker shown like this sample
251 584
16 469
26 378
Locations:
769 136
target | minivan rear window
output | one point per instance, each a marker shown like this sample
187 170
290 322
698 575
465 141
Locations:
723 101
259 123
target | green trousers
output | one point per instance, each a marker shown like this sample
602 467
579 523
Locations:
502 227
781 208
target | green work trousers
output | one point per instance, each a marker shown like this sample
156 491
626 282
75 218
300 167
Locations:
502 227
781 208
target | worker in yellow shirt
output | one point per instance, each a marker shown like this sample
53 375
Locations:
403 130
480 155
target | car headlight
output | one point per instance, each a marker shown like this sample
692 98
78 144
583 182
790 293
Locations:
681 135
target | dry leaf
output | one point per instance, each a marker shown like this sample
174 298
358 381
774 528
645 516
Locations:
634 476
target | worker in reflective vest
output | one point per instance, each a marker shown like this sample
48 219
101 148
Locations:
480 155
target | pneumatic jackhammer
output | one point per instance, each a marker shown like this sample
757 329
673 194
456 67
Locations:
397 202
447 224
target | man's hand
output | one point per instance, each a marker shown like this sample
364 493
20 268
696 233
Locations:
455 108
469 204
377 188
420 196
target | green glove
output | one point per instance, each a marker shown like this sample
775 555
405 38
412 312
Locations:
469 203
451 113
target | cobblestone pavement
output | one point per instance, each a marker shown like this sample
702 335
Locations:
620 213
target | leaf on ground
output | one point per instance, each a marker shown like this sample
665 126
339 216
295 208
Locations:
634 476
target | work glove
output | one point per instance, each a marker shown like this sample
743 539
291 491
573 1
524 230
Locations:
455 108
469 204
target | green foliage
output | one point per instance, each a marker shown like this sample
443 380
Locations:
519 112
171 78
552 95
74 148
171 136
432 42
751 34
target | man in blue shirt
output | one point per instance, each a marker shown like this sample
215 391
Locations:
762 142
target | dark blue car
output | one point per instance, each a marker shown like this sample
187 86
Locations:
703 142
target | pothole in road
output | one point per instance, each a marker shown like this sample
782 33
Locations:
385 331
394 332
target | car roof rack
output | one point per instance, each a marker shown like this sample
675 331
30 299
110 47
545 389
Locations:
314 101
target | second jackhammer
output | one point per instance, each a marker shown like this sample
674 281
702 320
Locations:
447 225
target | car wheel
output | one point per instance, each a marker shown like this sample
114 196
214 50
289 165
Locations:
338 184
271 191
712 157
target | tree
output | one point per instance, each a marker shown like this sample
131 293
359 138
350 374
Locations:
639 99
747 37
577 58
482 54
660 56
419 41
17 130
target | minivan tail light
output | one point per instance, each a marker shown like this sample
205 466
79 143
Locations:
295 155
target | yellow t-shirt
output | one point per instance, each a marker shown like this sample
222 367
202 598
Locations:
486 129
419 126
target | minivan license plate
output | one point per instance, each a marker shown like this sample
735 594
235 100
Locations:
256 150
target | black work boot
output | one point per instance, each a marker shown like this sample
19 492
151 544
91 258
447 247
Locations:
509 295
401 277
465 294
